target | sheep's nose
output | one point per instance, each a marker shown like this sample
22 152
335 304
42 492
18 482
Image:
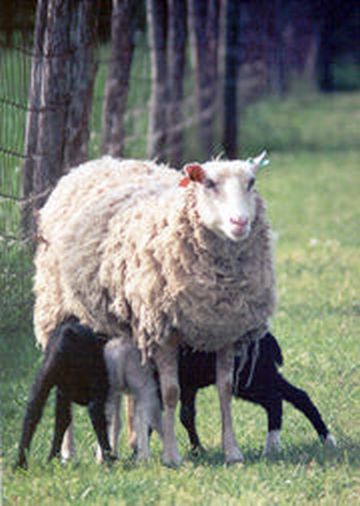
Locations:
240 221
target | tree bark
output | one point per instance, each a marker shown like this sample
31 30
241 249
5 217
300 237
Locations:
82 67
117 84
60 96
177 32
204 22
157 28
275 47
31 130
232 57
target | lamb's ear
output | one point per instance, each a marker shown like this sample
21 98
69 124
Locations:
194 172
258 161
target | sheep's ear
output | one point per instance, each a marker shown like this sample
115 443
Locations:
258 161
194 172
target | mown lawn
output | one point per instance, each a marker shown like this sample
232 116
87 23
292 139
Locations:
312 191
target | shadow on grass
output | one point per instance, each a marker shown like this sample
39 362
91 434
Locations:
348 452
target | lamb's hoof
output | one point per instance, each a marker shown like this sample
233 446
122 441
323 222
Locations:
272 444
171 460
20 464
330 442
142 458
109 459
197 451
234 457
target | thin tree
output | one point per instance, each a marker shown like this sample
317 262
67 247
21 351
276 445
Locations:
157 33
204 23
176 44
117 83
232 49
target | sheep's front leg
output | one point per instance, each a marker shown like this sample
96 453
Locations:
224 381
166 362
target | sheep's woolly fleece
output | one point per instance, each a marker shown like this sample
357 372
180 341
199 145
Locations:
125 251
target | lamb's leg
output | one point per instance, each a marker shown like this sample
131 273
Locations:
113 420
62 422
141 429
224 380
98 419
114 427
68 444
166 362
39 394
187 418
301 401
130 411
273 406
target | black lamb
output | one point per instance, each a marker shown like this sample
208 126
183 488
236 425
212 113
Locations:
80 375
267 387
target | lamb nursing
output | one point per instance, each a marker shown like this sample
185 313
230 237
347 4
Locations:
133 247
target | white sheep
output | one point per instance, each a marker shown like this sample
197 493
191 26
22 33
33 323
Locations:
130 246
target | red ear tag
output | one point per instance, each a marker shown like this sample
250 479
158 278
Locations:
184 181
194 173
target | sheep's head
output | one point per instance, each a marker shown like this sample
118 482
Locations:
225 194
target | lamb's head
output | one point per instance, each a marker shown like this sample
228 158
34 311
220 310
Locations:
225 196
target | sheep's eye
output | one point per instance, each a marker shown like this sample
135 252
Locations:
209 183
251 184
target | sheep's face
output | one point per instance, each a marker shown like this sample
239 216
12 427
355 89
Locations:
226 198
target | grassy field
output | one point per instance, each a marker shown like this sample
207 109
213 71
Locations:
312 191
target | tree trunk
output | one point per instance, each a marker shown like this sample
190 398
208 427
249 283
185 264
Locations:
60 95
157 28
31 131
177 32
276 54
82 67
117 84
204 21
232 56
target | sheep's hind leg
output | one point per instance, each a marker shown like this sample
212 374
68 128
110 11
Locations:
224 380
166 362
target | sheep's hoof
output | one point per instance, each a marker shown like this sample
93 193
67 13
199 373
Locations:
234 457
330 442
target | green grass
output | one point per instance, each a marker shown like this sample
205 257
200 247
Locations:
312 193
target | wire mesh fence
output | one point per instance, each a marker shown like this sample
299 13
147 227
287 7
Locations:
33 119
